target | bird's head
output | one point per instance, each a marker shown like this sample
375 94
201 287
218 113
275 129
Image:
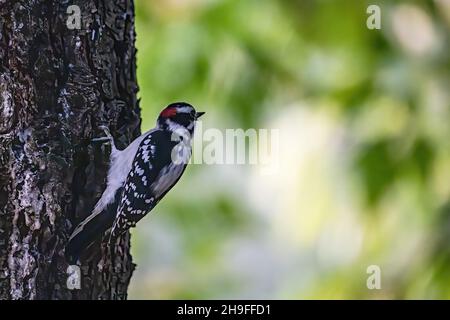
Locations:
179 114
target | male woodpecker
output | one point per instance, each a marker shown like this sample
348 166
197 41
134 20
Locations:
138 177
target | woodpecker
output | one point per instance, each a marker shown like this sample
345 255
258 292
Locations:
138 177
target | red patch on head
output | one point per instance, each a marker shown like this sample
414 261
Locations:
168 112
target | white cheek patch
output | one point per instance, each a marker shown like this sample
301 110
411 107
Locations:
174 127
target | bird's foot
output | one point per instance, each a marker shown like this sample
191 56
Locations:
109 138
106 131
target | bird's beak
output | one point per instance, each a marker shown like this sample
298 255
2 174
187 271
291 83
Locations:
199 114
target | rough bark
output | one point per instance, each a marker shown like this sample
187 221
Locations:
57 86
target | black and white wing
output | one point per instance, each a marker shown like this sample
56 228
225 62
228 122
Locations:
152 175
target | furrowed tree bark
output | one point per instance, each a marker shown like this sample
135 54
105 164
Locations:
57 86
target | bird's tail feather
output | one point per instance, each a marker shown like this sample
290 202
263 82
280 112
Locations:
90 229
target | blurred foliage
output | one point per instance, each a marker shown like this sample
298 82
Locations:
364 174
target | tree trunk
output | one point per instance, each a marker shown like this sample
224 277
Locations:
57 86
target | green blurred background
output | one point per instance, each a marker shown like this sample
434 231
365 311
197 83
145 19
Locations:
364 158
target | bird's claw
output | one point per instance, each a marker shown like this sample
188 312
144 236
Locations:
108 137
103 139
105 130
